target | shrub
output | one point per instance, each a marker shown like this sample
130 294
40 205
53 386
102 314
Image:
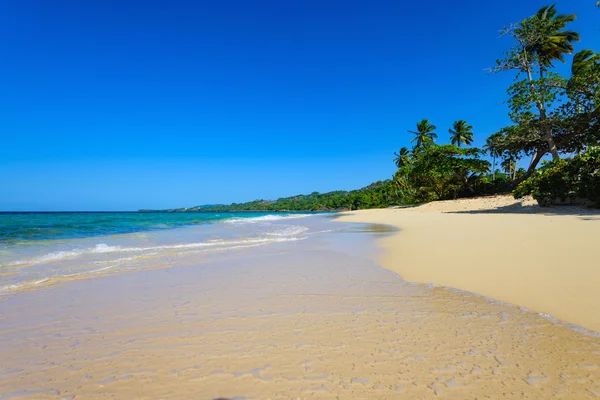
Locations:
487 185
575 180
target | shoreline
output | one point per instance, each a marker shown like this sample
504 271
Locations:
514 251
314 318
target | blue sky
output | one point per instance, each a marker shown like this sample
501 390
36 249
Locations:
120 105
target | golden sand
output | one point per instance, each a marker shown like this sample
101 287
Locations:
545 259
314 319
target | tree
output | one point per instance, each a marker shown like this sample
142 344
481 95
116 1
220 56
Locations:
441 172
540 40
509 165
492 147
402 157
583 62
461 133
549 39
424 135
579 127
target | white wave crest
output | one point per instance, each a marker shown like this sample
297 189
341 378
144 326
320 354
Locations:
289 231
270 217
104 248
62 255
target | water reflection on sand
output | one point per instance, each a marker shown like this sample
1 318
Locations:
309 319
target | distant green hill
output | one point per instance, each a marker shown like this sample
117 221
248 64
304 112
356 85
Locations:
377 195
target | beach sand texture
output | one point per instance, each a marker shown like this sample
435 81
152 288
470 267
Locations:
545 259
309 319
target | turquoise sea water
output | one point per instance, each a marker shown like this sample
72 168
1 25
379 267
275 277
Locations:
37 248
62 225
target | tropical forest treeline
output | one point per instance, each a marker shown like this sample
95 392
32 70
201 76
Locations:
552 115
377 195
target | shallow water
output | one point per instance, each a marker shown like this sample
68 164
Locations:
42 248
312 318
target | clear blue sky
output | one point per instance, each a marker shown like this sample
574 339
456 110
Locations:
120 105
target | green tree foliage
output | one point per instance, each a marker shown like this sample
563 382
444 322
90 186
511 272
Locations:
492 147
568 180
440 172
402 157
461 133
551 114
548 38
509 166
539 41
377 195
579 125
424 135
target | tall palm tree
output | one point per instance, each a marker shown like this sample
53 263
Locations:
509 165
462 133
402 157
549 39
544 39
492 147
425 134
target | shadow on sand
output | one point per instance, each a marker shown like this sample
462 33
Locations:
588 214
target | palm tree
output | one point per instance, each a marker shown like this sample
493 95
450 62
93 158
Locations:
544 39
462 133
425 135
584 61
402 157
492 147
509 165
549 39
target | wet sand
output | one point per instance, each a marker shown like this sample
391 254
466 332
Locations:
310 319
545 259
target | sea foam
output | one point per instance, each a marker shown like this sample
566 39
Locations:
283 236
265 218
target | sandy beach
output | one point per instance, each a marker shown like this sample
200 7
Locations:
544 259
313 318
208 200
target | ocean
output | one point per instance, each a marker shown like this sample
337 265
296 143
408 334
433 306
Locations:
43 248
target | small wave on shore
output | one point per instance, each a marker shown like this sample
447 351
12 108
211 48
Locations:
103 248
29 264
265 218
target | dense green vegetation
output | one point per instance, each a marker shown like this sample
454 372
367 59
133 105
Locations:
377 195
575 180
551 115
